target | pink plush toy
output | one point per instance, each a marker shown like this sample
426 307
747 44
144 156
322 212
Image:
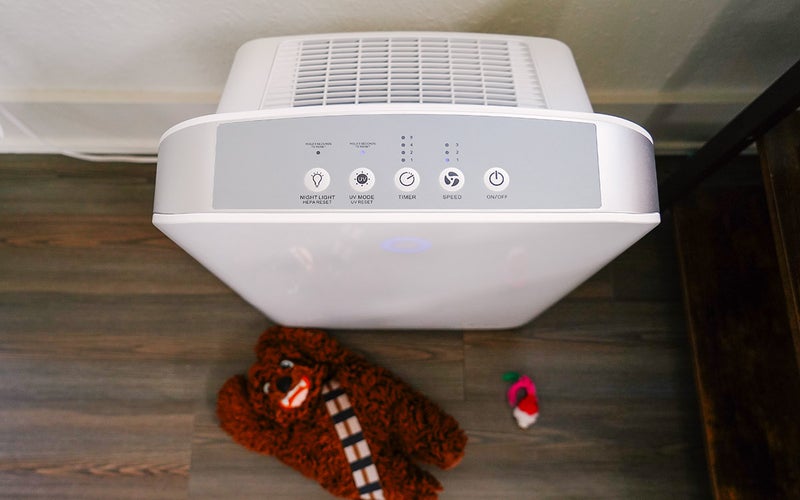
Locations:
522 397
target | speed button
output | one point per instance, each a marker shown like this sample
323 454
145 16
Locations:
451 179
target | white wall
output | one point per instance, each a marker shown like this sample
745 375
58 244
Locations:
112 75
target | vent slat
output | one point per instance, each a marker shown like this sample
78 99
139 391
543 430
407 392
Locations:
404 69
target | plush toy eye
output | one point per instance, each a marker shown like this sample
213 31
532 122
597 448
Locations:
286 364
266 388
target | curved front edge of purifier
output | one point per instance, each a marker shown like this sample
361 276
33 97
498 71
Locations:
440 271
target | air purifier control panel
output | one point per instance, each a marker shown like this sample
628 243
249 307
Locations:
406 162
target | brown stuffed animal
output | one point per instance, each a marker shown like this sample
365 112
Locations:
329 413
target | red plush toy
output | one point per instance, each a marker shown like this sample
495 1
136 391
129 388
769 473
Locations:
329 413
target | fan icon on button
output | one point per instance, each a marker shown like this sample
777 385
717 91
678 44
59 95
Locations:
451 179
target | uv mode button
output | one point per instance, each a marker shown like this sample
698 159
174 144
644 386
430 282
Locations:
362 179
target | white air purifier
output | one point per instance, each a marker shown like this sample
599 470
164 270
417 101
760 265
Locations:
405 180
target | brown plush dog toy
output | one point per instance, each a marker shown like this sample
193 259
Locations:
329 413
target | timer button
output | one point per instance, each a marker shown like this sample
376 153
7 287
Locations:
406 179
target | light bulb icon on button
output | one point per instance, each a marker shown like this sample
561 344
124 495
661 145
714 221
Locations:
317 179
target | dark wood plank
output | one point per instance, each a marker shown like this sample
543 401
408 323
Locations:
745 361
582 448
649 269
432 362
602 344
612 379
779 150
76 253
612 374
74 449
44 184
106 335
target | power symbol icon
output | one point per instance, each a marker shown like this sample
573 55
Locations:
496 178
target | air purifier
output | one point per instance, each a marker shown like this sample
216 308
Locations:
405 180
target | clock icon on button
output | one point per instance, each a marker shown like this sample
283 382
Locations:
406 179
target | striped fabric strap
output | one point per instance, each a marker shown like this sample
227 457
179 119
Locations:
356 449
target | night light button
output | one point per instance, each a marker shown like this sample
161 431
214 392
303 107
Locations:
317 180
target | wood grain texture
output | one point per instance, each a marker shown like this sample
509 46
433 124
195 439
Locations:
745 360
113 344
779 150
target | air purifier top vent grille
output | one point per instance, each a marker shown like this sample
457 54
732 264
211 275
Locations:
428 69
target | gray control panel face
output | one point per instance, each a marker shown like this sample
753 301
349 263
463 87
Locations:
406 162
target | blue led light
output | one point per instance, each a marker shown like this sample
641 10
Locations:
406 244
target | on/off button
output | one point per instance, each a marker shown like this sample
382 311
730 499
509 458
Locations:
496 179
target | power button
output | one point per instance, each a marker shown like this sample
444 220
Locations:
496 179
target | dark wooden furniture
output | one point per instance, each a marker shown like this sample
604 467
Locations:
739 249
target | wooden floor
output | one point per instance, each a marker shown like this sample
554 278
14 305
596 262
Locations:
113 343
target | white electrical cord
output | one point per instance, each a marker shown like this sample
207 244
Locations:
72 154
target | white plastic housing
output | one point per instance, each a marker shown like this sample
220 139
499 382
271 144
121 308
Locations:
479 257
267 72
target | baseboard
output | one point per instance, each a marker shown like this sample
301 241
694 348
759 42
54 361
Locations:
98 121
